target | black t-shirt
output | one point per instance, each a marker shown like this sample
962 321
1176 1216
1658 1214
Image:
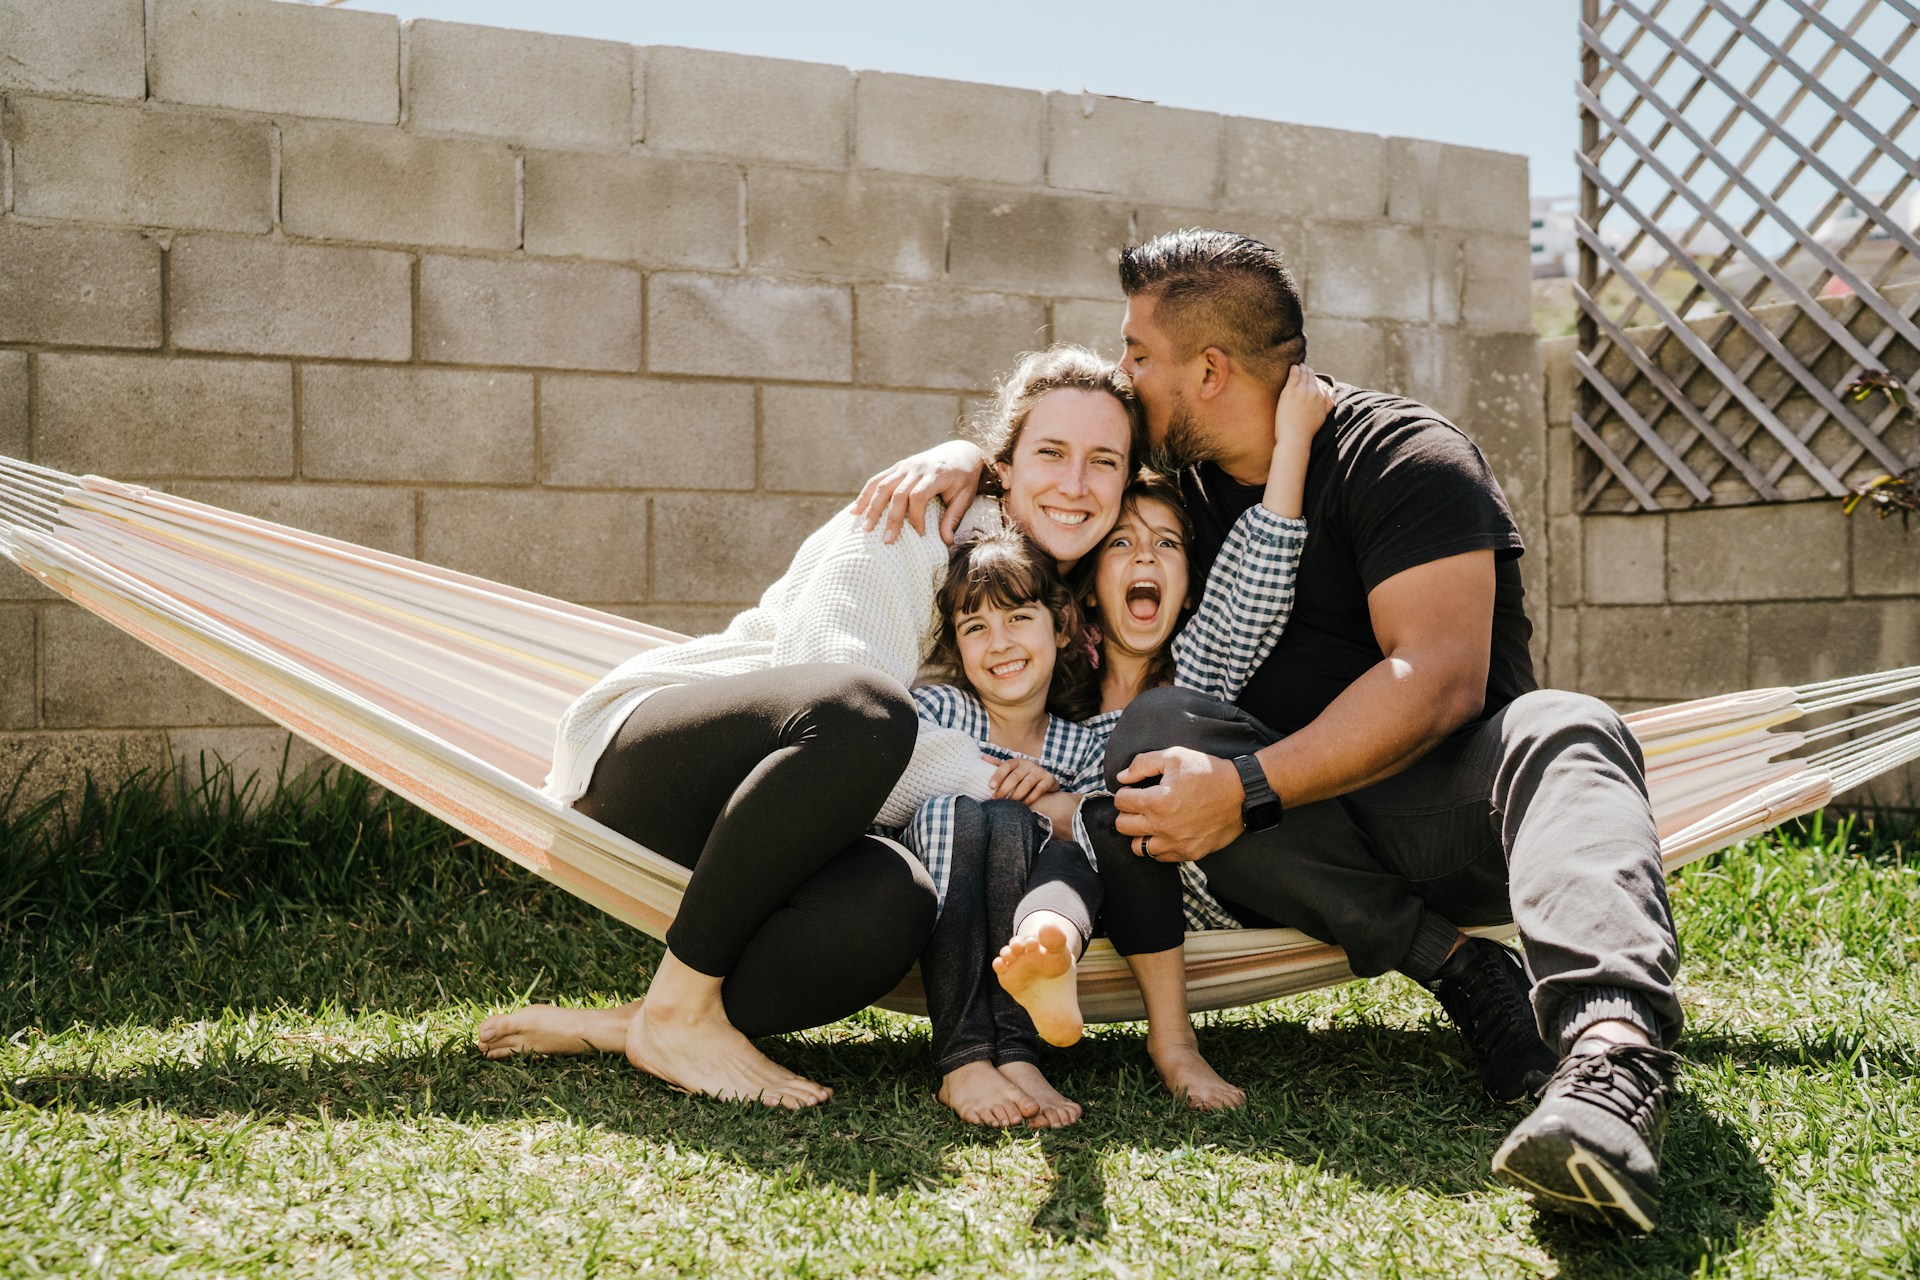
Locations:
1390 485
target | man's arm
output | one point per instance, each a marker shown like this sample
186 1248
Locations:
1434 624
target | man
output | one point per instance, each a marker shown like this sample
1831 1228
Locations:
1391 774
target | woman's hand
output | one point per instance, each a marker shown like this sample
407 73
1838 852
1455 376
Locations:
900 494
1304 404
1023 780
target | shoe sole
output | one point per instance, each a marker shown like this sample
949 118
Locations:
1566 1177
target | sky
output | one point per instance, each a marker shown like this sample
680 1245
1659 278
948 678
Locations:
1482 73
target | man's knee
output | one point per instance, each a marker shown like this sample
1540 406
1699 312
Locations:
1159 718
1552 721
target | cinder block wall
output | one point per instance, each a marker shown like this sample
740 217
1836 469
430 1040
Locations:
1649 608
618 324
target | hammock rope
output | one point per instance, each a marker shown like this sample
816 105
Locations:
445 688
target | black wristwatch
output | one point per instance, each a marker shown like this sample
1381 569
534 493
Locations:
1261 809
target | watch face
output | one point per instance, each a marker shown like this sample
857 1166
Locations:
1261 817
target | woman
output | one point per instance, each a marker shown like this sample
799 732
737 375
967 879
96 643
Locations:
758 758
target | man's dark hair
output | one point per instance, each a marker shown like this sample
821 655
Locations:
1219 289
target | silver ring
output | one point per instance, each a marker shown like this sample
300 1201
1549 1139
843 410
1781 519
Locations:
1143 846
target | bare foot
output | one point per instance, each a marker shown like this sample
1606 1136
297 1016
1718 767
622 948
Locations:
1189 1077
1037 969
1057 1110
698 1051
979 1094
542 1028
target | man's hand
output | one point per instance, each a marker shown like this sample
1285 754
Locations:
1192 811
1023 780
900 494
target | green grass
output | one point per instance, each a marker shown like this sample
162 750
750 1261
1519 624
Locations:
238 1044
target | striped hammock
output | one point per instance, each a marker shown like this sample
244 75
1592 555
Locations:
445 688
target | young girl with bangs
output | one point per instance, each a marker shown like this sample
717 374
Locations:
1006 874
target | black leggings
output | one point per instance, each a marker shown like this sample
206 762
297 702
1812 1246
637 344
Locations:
763 784
1004 869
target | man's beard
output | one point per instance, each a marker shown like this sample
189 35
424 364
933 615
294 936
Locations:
1185 445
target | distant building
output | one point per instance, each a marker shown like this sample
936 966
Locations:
1556 249
1849 216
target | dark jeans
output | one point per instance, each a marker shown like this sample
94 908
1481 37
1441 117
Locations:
1537 815
1003 870
764 784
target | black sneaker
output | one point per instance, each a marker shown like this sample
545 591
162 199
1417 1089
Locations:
1484 990
1592 1147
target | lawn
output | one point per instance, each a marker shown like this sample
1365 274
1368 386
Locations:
240 1045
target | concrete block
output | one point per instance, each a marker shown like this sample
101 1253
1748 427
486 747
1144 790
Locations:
98 677
1429 365
19 694
98 162
743 327
710 548
590 547
97 48
949 129
1663 652
943 337
1886 557
645 433
1498 291
1625 560
1129 148
1561 670
1802 642
652 211
1094 325
1782 551
1447 275
52 764
1561 471
748 108
687 619
845 225
333 63
365 515
537 89
1036 243
826 440
78 286
1304 172
1438 184
1368 272
1351 350
416 425
267 297
15 437
145 417
1502 413
346 182
257 758
1556 359
1566 560
561 315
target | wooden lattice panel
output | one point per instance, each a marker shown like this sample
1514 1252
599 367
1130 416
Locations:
1749 248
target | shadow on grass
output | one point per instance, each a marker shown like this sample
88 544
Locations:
1386 1108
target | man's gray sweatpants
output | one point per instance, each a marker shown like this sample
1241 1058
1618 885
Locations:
1537 815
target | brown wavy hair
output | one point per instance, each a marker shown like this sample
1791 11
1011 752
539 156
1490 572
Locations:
1007 568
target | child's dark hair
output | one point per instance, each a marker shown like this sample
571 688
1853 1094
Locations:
1007 568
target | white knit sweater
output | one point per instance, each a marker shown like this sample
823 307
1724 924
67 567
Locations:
847 597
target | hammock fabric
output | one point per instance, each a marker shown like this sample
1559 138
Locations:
445 688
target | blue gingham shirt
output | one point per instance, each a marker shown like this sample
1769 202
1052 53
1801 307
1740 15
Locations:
1246 605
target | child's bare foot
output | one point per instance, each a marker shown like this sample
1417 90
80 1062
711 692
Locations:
697 1050
542 1028
1056 1109
1189 1077
1037 969
980 1094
